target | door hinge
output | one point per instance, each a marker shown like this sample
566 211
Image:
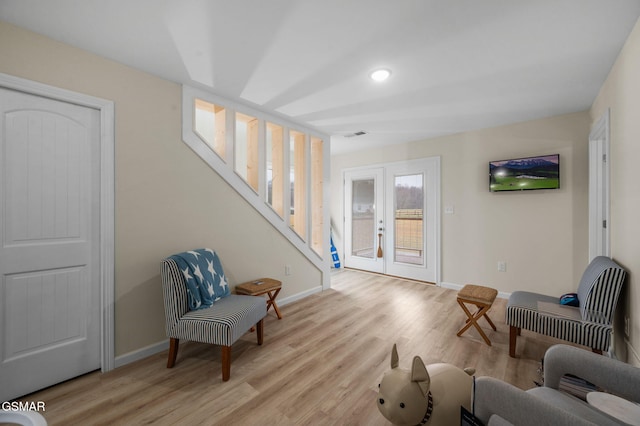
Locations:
604 224
604 158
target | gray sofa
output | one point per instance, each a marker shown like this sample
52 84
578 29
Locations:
499 403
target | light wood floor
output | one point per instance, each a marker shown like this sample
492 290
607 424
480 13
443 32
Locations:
319 365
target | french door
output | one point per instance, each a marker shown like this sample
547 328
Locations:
364 219
392 219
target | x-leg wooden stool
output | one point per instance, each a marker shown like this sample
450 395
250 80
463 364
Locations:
482 298
268 286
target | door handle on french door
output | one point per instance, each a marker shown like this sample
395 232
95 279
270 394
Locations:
380 229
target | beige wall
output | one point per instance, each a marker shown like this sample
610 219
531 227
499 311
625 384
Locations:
621 94
537 233
167 200
542 235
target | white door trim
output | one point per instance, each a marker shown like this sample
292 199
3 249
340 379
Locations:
599 188
107 179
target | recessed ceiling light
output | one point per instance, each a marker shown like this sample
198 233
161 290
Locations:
380 74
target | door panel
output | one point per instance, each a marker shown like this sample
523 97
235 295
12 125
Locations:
46 308
414 188
363 213
49 198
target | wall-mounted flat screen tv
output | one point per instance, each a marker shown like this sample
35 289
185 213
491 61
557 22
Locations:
520 174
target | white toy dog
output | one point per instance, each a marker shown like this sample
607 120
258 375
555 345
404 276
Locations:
425 395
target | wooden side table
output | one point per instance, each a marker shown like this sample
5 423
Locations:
261 286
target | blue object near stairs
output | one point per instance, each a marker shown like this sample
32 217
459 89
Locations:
334 255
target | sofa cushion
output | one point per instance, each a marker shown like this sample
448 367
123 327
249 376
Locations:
573 405
499 403
496 420
224 322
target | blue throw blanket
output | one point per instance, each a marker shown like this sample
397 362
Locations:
203 276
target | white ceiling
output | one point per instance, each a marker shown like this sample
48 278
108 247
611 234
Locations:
457 65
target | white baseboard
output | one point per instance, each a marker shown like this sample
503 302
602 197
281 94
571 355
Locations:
450 286
294 298
155 348
632 355
457 287
141 353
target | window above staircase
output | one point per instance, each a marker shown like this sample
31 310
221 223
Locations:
279 167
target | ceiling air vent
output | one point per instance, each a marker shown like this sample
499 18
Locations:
353 135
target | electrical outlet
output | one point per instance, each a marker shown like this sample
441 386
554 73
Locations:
287 269
502 266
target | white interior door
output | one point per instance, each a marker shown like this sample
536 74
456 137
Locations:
49 256
364 216
392 219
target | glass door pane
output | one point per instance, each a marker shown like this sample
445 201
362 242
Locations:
408 219
363 218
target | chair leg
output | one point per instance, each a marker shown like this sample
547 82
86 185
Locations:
260 333
226 363
226 352
513 334
173 352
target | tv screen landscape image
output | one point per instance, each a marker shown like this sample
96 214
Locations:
520 174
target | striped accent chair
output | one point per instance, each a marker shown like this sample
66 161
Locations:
222 323
590 324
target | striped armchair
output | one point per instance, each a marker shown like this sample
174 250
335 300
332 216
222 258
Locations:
590 324
222 323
